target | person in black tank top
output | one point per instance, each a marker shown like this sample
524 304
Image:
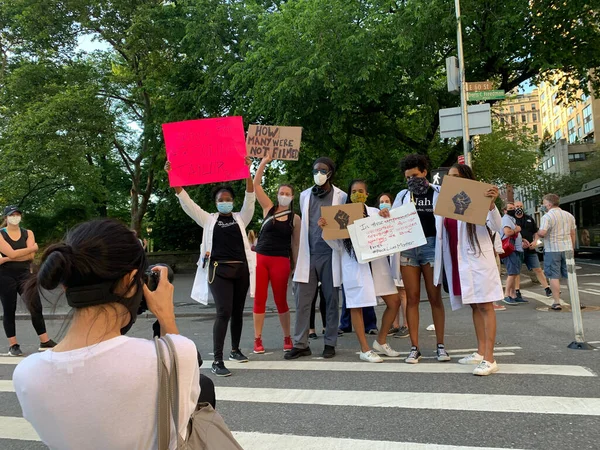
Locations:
18 247
277 251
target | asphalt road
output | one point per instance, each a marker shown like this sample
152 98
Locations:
545 396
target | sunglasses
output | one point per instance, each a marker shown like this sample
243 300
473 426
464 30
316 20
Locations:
321 171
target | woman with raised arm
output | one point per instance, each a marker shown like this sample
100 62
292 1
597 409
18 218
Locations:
277 252
225 266
18 247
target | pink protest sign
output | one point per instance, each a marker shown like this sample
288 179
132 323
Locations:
206 150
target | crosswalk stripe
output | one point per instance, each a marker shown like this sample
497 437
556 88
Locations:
539 297
415 400
400 366
435 357
19 429
266 441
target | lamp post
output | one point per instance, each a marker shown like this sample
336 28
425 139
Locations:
463 86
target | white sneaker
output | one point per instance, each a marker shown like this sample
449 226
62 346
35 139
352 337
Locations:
385 349
370 356
473 358
485 368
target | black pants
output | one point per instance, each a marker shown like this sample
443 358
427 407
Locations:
229 285
12 283
207 391
322 308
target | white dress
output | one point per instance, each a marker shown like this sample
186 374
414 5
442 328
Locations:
363 283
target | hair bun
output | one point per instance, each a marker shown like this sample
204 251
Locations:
56 266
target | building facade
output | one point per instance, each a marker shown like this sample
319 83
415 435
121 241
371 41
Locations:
520 110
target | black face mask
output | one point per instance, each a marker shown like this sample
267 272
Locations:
100 294
511 213
319 191
519 211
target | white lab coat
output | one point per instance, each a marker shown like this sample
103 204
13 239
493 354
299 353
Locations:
362 285
302 272
479 278
207 221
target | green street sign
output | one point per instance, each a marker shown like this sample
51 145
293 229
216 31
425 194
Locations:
485 95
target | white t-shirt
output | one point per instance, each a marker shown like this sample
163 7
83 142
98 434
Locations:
104 396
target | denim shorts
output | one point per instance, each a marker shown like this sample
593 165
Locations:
513 263
419 256
555 265
531 260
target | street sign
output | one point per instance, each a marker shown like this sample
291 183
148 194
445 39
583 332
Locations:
480 121
480 86
485 95
452 75
437 176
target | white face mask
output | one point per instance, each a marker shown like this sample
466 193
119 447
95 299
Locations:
320 179
284 200
14 220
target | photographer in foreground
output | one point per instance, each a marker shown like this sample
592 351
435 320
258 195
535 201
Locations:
103 385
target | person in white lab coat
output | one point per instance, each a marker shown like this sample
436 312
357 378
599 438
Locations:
468 260
226 265
363 283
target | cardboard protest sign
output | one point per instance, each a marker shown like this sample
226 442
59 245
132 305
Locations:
279 142
338 218
463 199
206 151
376 237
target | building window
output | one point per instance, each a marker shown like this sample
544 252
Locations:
541 167
553 160
584 97
557 135
576 156
522 108
535 128
533 108
571 130
543 96
523 118
503 121
579 133
588 125
512 109
534 117
556 122
512 120
578 119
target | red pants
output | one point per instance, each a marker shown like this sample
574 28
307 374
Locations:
277 270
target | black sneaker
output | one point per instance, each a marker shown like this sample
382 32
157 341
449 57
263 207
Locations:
296 353
219 369
237 355
328 351
414 356
519 296
15 350
548 292
313 336
46 345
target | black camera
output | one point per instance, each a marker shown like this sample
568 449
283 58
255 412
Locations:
151 280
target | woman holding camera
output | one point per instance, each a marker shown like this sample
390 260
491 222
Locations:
226 265
104 385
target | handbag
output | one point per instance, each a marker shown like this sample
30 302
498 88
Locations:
206 428
508 245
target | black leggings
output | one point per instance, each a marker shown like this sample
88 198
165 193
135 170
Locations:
12 283
322 308
229 285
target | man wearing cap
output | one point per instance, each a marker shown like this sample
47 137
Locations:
317 262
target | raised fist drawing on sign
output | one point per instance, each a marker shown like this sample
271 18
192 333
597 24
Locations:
461 202
342 219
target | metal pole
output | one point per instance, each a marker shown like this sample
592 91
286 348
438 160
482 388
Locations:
579 342
463 86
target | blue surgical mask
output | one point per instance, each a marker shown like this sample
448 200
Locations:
385 206
543 209
225 207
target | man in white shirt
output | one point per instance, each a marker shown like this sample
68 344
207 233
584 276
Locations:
558 231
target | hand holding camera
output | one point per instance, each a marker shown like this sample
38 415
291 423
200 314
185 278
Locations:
160 299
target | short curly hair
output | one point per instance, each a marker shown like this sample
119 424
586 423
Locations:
222 188
414 160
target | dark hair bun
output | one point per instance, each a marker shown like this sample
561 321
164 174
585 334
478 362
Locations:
56 266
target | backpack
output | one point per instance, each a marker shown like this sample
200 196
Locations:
206 427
